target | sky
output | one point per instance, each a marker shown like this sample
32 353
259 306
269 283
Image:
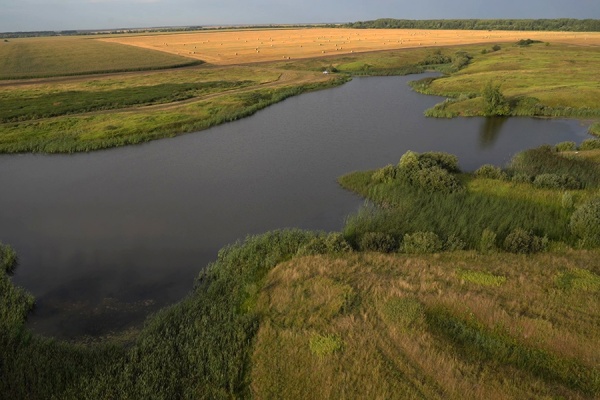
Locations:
38 15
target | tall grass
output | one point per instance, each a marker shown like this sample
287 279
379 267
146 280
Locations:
543 160
73 102
198 348
463 215
100 131
522 215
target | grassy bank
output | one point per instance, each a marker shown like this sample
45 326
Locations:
533 200
102 130
539 79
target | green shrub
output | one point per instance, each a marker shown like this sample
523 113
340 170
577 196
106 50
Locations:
566 146
585 223
385 174
490 171
454 243
556 181
8 259
446 161
494 101
527 42
590 144
520 241
421 243
314 246
521 178
378 241
496 47
487 243
430 171
436 179
460 60
336 243
409 161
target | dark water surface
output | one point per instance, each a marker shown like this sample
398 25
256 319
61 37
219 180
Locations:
107 237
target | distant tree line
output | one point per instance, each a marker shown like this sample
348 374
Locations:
561 24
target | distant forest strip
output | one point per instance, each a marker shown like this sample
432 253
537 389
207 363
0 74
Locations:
561 24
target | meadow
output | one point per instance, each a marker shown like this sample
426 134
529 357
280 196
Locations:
25 58
528 79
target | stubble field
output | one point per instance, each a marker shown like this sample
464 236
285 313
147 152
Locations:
249 46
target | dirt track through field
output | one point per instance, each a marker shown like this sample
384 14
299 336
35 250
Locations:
251 46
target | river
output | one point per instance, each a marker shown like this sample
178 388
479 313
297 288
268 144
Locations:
106 238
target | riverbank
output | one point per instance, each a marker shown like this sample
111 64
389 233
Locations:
92 112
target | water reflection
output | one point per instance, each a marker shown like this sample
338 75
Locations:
490 129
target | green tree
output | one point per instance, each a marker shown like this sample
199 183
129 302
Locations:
495 103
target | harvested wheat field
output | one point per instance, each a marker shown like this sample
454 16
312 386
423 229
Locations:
250 46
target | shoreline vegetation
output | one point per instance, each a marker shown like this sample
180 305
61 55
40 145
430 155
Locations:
450 285
67 114
508 306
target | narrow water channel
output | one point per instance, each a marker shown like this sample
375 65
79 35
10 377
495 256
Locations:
106 238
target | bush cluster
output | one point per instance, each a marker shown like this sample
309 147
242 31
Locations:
431 172
385 174
378 241
490 171
8 259
556 181
332 243
421 243
585 223
520 241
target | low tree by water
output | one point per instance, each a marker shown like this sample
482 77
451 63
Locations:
495 102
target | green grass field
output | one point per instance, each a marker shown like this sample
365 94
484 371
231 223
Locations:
64 56
553 80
